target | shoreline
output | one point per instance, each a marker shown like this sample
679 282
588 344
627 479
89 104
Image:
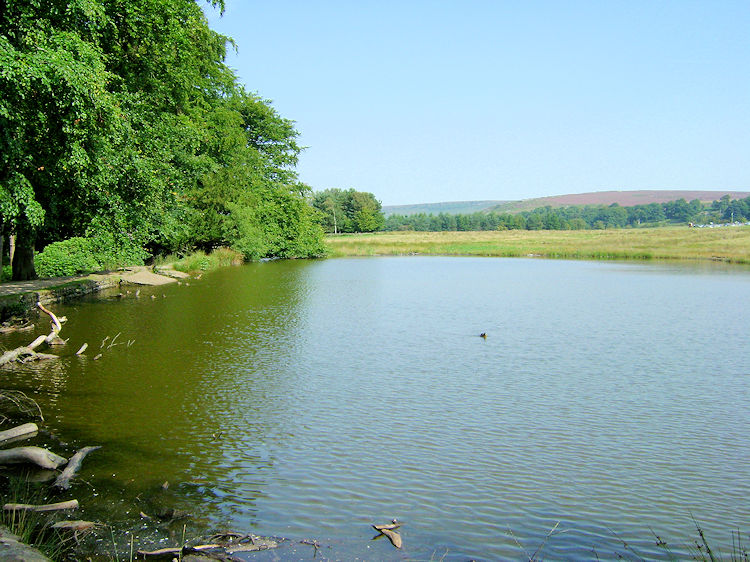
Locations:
727 245
17 298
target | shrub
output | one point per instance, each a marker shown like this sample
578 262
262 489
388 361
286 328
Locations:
67 257
84 255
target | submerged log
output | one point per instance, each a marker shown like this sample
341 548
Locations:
18 433
34 455
63 481
389 531
179 551
75 526
389 527
7 329
71 504
393 536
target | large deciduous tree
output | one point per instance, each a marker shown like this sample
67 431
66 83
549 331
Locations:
121 118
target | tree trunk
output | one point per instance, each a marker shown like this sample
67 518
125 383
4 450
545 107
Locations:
11 247
23 257
2 247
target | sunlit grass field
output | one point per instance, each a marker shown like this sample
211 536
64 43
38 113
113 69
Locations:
728 244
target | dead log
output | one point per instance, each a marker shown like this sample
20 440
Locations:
389 527
27 353
7 329
179 551
71 504
56 324
389 531
393 536
63 481
75 526
34 455
18 433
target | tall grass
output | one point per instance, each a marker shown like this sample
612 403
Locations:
200 261
32 528
728 244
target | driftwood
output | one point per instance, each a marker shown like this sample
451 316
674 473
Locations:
27 353
76 526
71 504
34 455
18 433
8 329
393 536
63 481
179 551
389 527
389 531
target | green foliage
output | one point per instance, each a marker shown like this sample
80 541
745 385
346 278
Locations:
348 211
579 217
124 114
67 257
104 250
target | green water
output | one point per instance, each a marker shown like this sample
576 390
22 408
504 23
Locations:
311 399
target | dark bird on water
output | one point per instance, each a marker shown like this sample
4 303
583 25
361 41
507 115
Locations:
483 335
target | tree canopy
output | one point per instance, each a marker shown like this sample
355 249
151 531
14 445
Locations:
580 217
348 210
120 120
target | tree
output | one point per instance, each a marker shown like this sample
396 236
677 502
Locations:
348 211
120 120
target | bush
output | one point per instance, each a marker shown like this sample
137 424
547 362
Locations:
67 257
84 255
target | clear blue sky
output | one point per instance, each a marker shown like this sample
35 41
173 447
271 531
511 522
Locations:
424 101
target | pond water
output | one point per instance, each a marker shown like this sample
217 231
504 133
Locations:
308 399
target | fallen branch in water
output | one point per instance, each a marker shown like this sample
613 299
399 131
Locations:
389 531
34 455
75 525
26 353
10 328
63 481
182 551
18 433
71 504
15 401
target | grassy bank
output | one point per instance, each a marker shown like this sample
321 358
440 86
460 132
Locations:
729 244
200 261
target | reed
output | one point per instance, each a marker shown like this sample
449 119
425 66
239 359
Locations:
727 244
200 261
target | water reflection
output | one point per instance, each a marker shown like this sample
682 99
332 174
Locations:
312 398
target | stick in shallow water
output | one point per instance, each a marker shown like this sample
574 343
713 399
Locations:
63 481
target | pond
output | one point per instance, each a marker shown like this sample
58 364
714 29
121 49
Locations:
609 403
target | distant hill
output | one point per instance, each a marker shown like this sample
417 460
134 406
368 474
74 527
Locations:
450 207
622 198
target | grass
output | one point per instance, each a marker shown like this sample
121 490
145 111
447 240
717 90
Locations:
30 527
728 244
200 261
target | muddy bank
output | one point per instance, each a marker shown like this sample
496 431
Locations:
12 549
17 298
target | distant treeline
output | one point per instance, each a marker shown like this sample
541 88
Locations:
581 217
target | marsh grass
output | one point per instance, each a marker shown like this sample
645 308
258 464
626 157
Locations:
31 527
200 261
728 244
